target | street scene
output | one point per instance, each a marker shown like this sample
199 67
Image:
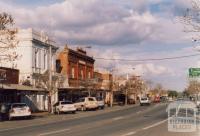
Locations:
99 68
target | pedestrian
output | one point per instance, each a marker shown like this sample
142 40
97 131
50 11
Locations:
3 110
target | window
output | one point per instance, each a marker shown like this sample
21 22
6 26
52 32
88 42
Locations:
81 73
73 72
58 66
91 99
66 102
89 75
45 56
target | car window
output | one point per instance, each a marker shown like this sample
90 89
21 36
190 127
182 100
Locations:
56 104
90 99
19 105
81 100
143 99
67 102
99 99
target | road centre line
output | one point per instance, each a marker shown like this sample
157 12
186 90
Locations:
129 133
156 124
118 118
53 132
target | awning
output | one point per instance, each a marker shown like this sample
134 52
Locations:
20 87
72 88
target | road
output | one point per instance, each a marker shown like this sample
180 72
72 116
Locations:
130 121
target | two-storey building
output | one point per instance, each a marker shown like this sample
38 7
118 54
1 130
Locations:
36 63
79 68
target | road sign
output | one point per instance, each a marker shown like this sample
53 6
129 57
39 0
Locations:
194 72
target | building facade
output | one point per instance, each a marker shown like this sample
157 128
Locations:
36 63
78 67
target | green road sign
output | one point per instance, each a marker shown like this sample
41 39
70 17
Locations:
194 72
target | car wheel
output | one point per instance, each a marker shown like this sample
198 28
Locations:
73 112
58 112
83 108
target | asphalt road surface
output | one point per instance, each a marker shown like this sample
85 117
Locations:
131 121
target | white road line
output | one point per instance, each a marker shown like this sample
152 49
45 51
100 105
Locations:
53 132
138 112
118 118
27 126
130 133
156 124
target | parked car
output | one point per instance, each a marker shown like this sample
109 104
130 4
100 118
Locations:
19 110
86 103
64 106
100 102
145 101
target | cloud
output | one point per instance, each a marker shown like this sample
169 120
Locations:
118 29
88 22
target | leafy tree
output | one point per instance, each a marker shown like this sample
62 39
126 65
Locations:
172 93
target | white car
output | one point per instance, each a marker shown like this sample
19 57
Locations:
86 103
64 106
145 101
100 102
19 110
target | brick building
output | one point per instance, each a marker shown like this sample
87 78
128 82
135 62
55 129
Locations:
78 67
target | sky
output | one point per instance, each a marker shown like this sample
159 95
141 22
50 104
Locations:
117 29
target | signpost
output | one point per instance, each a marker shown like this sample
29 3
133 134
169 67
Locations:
194 72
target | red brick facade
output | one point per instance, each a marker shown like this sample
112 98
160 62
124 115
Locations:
77 66
9 75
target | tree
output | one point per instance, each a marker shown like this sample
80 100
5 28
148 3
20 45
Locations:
193 87
172 93
7 38
191 19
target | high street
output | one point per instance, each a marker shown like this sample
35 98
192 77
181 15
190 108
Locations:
132 120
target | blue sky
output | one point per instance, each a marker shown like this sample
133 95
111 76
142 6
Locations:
132 29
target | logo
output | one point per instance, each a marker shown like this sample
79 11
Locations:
182 116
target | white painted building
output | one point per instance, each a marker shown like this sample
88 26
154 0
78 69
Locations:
37 57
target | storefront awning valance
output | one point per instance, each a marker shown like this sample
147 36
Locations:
20 87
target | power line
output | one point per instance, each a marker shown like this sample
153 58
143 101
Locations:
151 59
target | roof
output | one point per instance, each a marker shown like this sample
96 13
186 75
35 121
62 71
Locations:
21 87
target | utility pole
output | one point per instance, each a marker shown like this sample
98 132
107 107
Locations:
111 97
126 93
50 79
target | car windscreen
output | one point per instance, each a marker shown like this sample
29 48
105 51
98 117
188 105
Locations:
67 102
91 99
19 105
143 99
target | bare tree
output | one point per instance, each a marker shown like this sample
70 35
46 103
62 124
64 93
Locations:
191 19
7 38
193 87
